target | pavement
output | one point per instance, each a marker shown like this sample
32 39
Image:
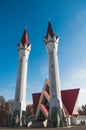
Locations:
66 128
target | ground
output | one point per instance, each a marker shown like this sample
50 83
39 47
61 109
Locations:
70 128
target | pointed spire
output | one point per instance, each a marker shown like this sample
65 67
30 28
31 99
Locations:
50 30
24 39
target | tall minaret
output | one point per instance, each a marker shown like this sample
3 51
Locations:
19 110
55 104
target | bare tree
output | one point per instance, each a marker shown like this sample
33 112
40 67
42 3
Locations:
82 110
29 110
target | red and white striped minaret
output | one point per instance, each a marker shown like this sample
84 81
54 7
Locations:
55 103
24 48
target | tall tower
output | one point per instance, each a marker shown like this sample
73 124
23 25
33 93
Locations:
24 48
55 104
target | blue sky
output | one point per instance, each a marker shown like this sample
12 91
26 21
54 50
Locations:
68 18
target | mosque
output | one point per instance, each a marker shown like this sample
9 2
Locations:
58 107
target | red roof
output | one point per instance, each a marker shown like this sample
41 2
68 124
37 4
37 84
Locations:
49 31
36 97
24 39
65 110
69 98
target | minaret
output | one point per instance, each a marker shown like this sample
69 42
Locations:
24 48
55 104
